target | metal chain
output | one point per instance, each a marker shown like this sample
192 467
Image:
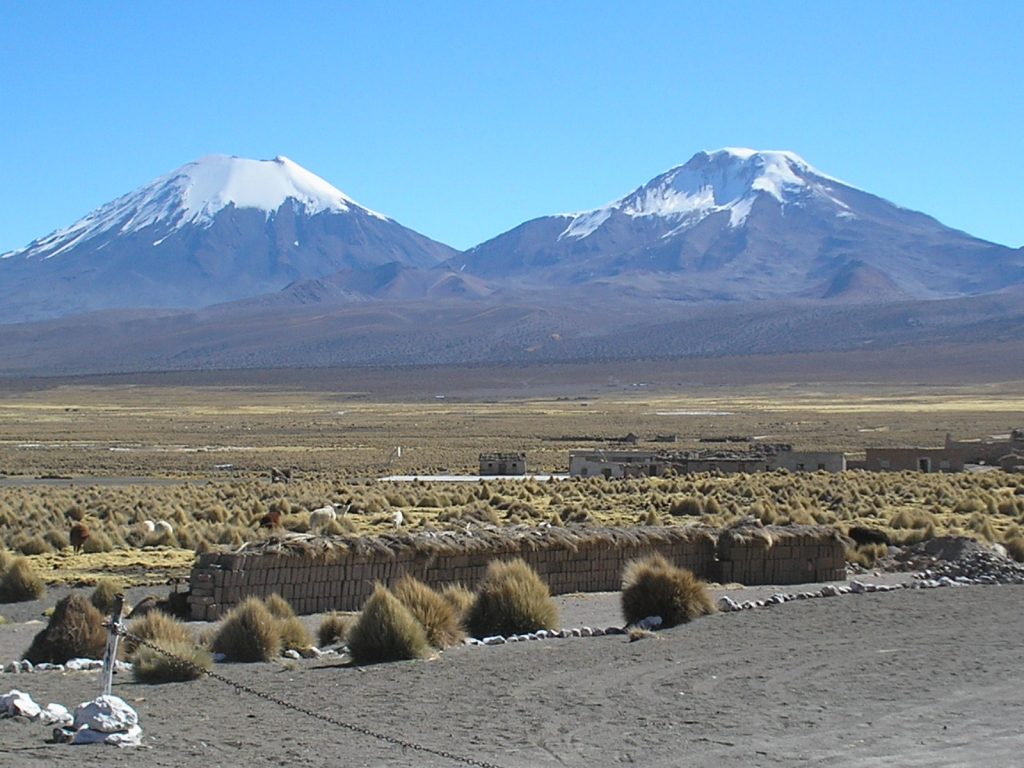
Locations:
394 740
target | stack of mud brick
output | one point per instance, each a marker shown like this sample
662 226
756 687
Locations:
343 581
789 555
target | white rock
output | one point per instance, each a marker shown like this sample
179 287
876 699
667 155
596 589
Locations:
107 714
494 640
56 714
586 632
18 704
597 631
291 653
726 604
857 587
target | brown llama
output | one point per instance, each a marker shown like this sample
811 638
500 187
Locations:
79 535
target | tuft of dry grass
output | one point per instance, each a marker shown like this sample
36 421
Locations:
248 633
107 589
460 598
98 541
293 633
19 582
1015 548
279 607
334 628
386 631
636 633
440 620
157 627
187 662
511 599
75 630
866 555
654 587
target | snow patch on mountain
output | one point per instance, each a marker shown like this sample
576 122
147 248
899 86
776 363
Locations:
195 193
727 179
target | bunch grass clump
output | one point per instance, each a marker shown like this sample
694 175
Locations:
187 661
75 630
157 627
19 582
1015 548
248 633
333 628
279 607
512 599
103 596
438 617
386 631
460 598
293 634
652 586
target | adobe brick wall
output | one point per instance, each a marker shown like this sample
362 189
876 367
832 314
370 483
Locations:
317 575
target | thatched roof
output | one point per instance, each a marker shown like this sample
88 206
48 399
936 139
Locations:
505 539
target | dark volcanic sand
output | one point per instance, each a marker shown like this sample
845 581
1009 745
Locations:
909 678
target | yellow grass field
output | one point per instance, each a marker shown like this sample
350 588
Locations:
198 457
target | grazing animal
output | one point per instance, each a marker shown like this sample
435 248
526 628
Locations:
864 535
271 520
79 535
398 518
322 517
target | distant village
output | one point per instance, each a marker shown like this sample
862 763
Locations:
1004 452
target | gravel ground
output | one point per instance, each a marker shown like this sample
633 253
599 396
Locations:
909 678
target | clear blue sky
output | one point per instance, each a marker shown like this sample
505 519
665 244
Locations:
462 120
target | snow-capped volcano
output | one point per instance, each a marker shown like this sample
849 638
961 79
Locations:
726 180
741 224
216 229
194 194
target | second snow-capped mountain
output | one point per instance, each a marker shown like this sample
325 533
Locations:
217 229
739 224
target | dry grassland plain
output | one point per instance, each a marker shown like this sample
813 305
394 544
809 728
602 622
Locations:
116 453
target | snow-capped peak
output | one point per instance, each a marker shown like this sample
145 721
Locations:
212 183
196 192
728 179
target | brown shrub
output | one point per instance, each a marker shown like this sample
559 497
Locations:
460 598
248 633
1015 548
187 661
19 583
511 599
293 633
279 607
386 631
157 627
333 628
75 630
654 587
107 589
438 617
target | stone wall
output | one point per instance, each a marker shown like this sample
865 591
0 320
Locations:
322 574
780 555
